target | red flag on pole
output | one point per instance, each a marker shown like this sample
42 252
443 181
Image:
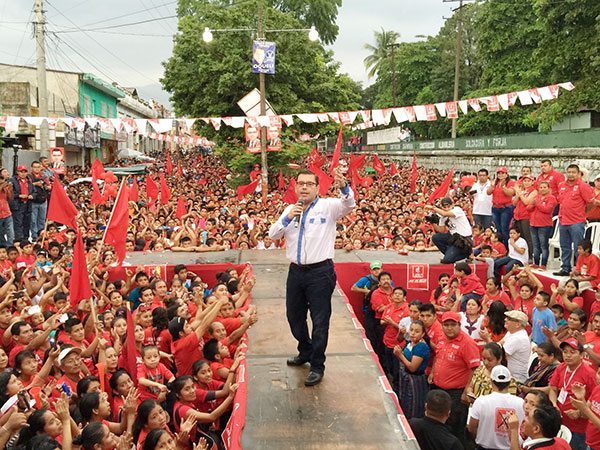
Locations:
442 189
393 169
79 284
181 209
116 230
97 169
165 193
413 174
61 209
247 188
133 191
169 166
378 166
179 170
335 160
151 189
290 194
97 198
325 180
280 181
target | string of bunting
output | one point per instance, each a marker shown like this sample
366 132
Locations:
153 128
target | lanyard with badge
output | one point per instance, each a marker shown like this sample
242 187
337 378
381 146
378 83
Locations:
562 396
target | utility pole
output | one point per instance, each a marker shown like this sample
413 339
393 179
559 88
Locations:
457 55
41 76
260 34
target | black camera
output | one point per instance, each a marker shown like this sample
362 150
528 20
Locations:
433 219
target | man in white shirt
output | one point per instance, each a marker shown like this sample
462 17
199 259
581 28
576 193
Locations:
482 201
490 413
457 242
309 231
516 344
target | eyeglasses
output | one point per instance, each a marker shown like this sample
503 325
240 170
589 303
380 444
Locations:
306 183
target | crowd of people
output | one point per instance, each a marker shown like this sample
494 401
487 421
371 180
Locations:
66 376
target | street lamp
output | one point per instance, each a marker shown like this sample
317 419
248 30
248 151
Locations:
313 35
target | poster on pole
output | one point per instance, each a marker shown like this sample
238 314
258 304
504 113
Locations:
263 57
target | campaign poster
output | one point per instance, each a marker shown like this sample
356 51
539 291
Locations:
417 277
263 57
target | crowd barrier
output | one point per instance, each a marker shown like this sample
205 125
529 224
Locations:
232 435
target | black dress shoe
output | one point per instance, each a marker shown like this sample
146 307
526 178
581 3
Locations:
562 273
313 378
296 361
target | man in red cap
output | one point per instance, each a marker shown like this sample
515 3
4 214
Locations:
20 205
457 356
573 371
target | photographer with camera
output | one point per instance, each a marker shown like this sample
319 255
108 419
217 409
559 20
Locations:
457 242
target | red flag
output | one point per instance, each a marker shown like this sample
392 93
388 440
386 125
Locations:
378 165
130 350
169 167
290 194
79 285
280 181
442 190
247 189
151 189
97 198
413 174
165 193
133 191
97 169
335 160
61 209
179 170
325 180
393 169
181 209
116 230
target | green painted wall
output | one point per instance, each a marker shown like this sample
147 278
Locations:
560 139
96 98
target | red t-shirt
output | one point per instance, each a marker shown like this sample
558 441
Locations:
592 267
380 298
573 198
186 351
395 312
454 361
160 374
592 433
499 198
542 211
553 178
561 379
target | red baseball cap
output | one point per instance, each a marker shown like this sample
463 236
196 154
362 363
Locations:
451 315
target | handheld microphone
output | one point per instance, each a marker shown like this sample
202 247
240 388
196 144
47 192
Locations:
297 219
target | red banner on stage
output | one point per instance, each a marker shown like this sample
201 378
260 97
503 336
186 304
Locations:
417 277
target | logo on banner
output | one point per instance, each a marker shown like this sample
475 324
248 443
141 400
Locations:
417 277
263 57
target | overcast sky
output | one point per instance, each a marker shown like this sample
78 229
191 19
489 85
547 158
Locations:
135 60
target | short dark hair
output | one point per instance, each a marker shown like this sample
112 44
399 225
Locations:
438 402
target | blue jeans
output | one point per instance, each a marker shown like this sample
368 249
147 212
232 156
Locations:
310 290
506 261
540 237
38 218
570 236
484 221
7 233
502 218
451 253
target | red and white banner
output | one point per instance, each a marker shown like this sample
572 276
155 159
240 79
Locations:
417 277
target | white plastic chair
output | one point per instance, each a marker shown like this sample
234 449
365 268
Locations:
594 228
554 243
